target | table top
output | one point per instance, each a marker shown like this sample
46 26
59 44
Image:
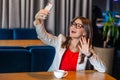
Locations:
22 43
72 75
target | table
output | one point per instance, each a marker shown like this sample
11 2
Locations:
72 75
22 43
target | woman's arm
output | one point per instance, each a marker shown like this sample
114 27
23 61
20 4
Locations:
87 49
43 35
97 62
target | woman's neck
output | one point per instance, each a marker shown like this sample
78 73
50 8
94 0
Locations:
74 45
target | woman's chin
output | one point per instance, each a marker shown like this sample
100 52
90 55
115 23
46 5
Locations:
75 37
72 36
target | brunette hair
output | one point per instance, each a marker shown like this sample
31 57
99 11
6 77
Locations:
88 28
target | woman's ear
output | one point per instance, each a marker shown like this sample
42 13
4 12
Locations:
84 35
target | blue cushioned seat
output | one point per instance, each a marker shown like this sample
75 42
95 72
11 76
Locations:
41 58
24 34
6 34
14 60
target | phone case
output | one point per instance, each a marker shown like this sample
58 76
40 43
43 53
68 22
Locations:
48 6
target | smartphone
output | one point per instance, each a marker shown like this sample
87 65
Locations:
48 6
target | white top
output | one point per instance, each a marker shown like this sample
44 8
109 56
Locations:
56 42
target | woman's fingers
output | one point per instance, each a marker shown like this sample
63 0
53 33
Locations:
83 40
42 14
85 44
89 42
79 47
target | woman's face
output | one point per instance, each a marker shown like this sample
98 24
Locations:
76 29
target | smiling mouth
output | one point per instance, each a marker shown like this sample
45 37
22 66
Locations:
73 31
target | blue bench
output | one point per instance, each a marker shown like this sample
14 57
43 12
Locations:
6 34
15 60
26 59
17 34
24 34
42 57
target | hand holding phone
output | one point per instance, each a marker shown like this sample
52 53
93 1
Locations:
42 14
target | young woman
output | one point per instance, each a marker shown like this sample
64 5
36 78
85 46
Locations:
72 52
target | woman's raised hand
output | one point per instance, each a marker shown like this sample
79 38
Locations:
42 14
85 46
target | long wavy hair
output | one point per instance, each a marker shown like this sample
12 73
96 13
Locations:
89 33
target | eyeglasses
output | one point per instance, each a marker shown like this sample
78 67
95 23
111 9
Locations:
77 25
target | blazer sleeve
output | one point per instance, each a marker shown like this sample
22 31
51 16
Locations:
97 63
48 38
